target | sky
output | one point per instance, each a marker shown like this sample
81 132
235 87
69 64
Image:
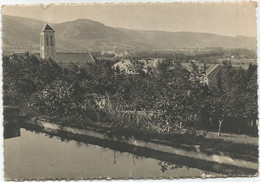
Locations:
229 19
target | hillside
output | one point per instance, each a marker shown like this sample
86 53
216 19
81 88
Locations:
21 34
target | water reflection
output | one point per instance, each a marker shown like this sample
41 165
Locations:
35 156
55 142
84 141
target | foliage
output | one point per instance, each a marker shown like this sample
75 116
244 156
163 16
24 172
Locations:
59 98
236 96
167 98
25 75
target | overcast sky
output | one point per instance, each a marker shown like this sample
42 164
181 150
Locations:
230 19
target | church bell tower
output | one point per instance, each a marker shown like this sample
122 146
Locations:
47 43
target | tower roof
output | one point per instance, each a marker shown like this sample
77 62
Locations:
47 28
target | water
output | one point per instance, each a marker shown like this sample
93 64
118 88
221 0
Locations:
37 156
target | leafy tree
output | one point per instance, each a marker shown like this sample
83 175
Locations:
235 99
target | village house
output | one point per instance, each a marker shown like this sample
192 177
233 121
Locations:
208 74
115 53
151 63
126 65
108 53
122 53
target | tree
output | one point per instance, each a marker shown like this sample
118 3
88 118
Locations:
178 99
234 98
25 75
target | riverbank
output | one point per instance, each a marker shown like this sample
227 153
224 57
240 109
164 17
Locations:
227 148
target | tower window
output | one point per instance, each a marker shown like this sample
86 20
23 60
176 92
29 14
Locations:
51 40
47 40
42 40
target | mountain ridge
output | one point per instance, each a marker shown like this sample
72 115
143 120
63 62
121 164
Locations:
21 33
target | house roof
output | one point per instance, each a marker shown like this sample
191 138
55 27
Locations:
210 67
67 58
47 28
123 64
106 58
76 58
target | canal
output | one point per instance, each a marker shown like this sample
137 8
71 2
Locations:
37 155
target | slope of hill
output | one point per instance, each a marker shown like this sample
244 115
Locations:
83 34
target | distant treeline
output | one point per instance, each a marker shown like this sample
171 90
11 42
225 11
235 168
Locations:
166 99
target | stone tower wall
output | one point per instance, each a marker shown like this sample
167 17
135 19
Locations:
47 44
